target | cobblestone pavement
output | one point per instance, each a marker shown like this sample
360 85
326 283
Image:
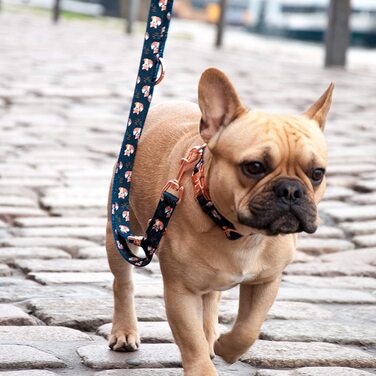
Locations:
64 97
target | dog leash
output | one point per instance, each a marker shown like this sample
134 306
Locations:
151 61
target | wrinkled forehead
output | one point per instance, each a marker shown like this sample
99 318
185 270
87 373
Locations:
257 135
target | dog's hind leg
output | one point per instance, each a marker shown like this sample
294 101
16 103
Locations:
210 303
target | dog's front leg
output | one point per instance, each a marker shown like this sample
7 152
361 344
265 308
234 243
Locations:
254 304
210 305
124 335
185 316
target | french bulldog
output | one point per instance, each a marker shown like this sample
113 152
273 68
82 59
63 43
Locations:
265 173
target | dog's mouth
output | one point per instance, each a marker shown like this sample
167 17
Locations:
289 224
277 222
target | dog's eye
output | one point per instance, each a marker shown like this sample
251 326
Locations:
317 175
253 169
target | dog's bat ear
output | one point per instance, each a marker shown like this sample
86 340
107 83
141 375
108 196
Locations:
218 101
319 110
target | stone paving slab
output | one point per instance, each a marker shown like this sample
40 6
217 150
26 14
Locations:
20 356
144 372
354 313
46 278
366 185
13 211
318 331
70 245
363 255
314 246
315 371
10 254
5 271
29 372
274 354
325 232
353 213
290 310
282 310
60 221
359 228
12 315
87 313
341 296
91 252
307 311
73 265
16 201
346 282
365 240
91 233
26 334
15 290
365 199
337 193
224 369
332 269
148 356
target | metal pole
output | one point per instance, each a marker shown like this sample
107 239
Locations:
221 24
338 33
130 15
56 11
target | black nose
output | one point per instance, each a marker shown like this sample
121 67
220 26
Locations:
289 191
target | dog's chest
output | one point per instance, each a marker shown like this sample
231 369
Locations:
242 266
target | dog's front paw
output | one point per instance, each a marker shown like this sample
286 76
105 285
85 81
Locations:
221 350
123 340
228 348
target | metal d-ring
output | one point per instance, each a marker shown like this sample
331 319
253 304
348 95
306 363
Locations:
161 72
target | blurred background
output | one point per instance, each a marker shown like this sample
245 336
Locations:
300 19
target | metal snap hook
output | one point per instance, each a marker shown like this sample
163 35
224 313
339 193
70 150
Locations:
161 72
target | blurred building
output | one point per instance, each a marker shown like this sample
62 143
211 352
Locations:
307 19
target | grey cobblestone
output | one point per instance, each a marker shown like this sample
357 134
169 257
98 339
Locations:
39 333
20 356
58 265
332 269
5 271
29 372
316 371
12 315
318 331
274 354
11 254
319 246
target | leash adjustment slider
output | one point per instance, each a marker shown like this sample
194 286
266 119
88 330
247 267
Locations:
186 164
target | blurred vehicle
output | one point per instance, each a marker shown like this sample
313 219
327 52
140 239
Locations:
307 19
237 12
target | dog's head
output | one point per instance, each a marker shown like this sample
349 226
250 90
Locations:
267 171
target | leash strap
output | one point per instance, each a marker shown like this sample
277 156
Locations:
155 39
207 204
